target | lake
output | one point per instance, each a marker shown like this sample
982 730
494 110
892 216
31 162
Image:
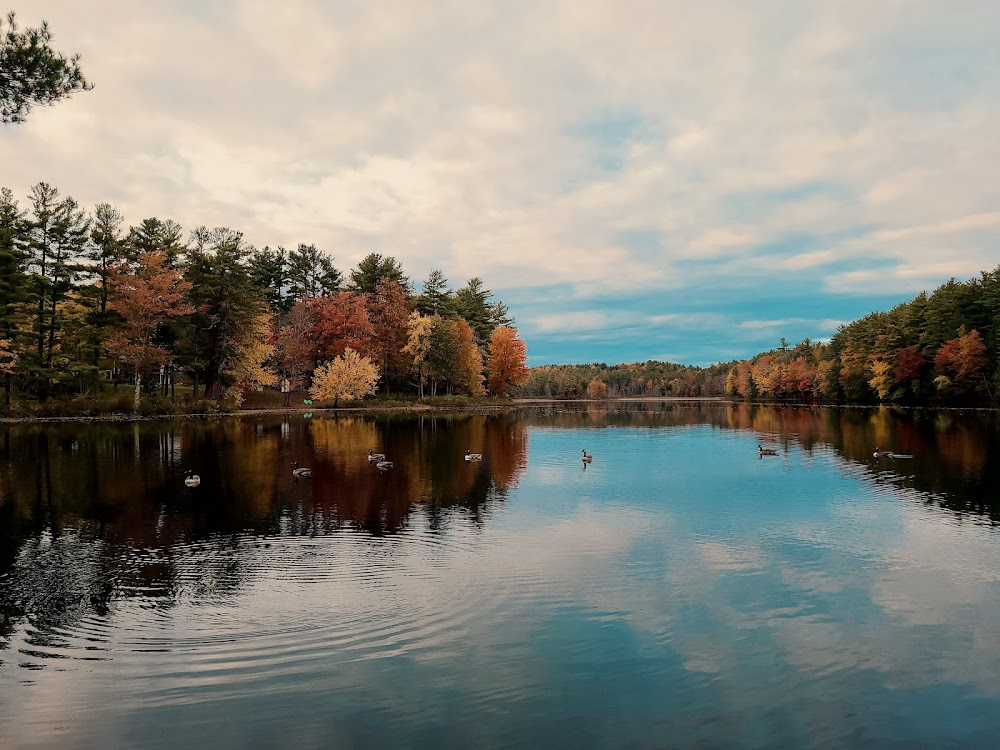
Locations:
680 591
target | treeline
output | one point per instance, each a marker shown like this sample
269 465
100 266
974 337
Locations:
86 304
647 379
937 348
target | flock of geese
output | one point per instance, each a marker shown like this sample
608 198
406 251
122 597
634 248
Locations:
193 480
301 472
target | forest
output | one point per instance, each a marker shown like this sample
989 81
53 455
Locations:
938 348
88 306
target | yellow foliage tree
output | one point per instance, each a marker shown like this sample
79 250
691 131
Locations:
246 366
347 377
8 358
418 344
881 380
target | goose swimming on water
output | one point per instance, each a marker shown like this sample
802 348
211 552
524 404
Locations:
191 479
373 456
470 456
587 458
303 472
766 451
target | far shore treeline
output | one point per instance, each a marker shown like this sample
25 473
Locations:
88 304
940 348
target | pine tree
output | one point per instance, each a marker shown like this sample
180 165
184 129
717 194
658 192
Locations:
57 233
311 273
437 298
32 72
13 281
372 269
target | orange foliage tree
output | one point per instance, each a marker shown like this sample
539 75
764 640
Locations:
469 372
597 389
145 297
507 366
389 315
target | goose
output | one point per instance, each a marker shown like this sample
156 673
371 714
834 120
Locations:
470 456
384 465
587 458
373 456
881 454
766 451
297 472
191 479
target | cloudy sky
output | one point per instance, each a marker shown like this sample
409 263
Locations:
637 180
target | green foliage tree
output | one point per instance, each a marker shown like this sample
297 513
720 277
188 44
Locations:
13 281
437 298
225 300
311 273
57 233
269 272
372 269
32 73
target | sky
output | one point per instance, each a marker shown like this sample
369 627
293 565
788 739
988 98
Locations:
682 181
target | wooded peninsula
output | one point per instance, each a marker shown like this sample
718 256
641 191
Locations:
198 324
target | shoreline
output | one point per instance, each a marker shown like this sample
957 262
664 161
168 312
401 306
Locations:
125 417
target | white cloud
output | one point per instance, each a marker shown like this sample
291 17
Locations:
450 136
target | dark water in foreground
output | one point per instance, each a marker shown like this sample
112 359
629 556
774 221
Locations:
678 592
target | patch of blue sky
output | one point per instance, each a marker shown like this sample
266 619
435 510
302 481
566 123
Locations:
926 75
749 206
610 135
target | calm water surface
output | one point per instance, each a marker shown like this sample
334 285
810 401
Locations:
681 591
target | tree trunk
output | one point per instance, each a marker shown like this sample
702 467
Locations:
138 385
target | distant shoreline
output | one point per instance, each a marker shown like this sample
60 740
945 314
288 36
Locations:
511 405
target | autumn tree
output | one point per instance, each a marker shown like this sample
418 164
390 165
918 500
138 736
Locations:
418 344
145 298
32 72
961 360
389 316
246 368
881 380
348 377
507 367
469 362
597 389
340 322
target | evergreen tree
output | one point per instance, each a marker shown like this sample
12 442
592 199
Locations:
311 273
13 281
32 72
472 302
57 233
269 271
226 303
437 298
154 235
372 269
